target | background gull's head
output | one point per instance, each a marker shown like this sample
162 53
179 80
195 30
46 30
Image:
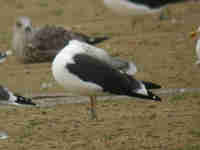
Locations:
24 24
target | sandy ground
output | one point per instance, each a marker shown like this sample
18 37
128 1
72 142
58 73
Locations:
163 52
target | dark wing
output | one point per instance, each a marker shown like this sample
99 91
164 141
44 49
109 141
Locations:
155 3
4 95
93 70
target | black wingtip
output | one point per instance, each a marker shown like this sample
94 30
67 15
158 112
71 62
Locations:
150 85
150 96
24 100
154 97
96 40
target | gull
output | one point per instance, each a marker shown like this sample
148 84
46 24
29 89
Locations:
193 34
8 97
138 7
41 44
4 55
87 74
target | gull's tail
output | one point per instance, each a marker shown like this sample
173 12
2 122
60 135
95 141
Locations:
150 85
140 89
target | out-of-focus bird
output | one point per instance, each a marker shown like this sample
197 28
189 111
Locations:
138 7
4 55
8 97
194 34
41 44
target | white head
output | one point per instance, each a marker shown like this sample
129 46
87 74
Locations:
23 24
22 34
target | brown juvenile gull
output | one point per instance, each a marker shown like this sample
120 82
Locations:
32 45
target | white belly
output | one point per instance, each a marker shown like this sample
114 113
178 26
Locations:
126 8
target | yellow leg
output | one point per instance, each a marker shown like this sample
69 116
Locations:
92 109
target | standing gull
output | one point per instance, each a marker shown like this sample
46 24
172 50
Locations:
8 97
138 7
42 44
193 34
86 74
121 65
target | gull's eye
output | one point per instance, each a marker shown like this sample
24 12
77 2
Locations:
18 24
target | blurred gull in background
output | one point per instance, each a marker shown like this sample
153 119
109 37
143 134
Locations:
41 44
